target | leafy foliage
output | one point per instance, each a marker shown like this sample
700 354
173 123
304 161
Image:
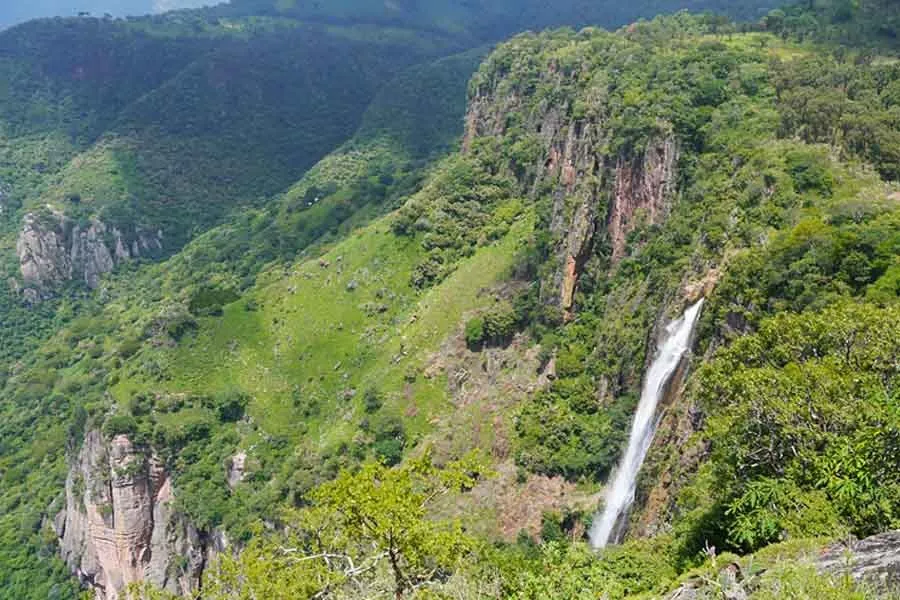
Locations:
805 410
361 531
263 330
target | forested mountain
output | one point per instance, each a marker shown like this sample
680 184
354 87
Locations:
338 300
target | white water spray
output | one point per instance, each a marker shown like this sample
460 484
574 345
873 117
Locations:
620 494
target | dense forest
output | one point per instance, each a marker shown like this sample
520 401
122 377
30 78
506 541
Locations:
343 300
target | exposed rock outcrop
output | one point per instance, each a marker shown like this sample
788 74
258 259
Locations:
644 187
237 469
874 561
592 189
573 168
53 249
119 525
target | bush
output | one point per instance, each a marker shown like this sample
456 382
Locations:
372 400
500 324
120 425
140 404
810 172
230 405
494 327
209 301
129 347
390 440
174 321
474 332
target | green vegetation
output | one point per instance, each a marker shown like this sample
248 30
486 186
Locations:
868 24
802 414
337 284
482 19
123 163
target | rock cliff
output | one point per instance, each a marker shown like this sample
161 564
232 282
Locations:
119 525
644 187
875 560
598 195
53 249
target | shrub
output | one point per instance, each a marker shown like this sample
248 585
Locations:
500 323
129 347
810 171
230 405
474 332
372 400
208 301
120 425
390 440
140 404
494 327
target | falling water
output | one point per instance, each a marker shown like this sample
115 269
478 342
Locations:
620 495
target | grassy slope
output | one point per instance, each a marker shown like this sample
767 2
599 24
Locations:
275 351
318 329
178 144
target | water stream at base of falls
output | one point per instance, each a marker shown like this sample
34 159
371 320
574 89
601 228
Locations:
619 496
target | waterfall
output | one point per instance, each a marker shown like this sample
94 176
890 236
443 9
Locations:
620 494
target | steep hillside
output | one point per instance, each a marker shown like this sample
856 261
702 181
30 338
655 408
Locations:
390 345
121 141
95 133
606 204
358 181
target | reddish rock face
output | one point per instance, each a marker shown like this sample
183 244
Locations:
642 186
592 191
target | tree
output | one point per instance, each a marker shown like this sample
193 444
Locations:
361 531
802 426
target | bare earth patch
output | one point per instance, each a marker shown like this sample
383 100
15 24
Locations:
486 389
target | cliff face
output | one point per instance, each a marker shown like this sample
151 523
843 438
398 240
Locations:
873 561
52 250
119 525
598 196
644 187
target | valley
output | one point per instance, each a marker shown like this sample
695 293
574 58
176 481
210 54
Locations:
362 301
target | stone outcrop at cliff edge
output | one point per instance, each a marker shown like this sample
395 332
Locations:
119 525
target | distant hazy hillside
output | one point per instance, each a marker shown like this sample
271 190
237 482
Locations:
16 11
491 18
254 256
